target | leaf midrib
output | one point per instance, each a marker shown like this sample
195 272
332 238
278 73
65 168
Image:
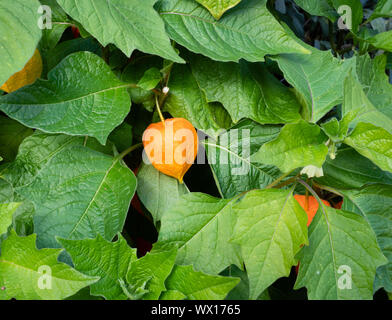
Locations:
94 197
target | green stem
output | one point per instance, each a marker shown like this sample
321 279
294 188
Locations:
331 38
285 183
274 183
159 109
329 189
129 150
310 189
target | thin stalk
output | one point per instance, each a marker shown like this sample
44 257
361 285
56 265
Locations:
314 194
129 150
274 183
285 183
159 109
328 189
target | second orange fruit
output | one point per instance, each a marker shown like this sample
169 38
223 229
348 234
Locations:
313 205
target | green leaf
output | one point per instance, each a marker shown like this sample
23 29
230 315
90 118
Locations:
357 108
201 226
65 48
375 204
6 212
23 219
12 133
374 143
6 190
199 286
342 250
129 24
135 291
187 100
172 295
30 274
375 82
318 8
134 72
91 196
218 7
333 131
351 170
36 151
318 79
246 91
150 79
381 40
81 97
241 291
383 9
19 35
122 136
100 258
156 266
157 191
230 158
250 31
298 145
271 228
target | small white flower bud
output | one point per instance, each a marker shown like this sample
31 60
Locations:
312 171
166 90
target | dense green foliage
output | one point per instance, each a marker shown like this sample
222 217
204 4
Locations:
286 102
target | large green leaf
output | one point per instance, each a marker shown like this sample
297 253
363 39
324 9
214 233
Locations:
81 97
375 203
271 228
157 191
100 258
199 286
201 226
357 108
342 257
187 100
129 24
19 35
153 268
91 196
37 150
250 31
318 79
7 210
371 74
298 145
246 91
230 158
30 274
12 133
374 143
218 7
351 170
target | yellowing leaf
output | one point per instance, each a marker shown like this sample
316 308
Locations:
31 72
218 7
